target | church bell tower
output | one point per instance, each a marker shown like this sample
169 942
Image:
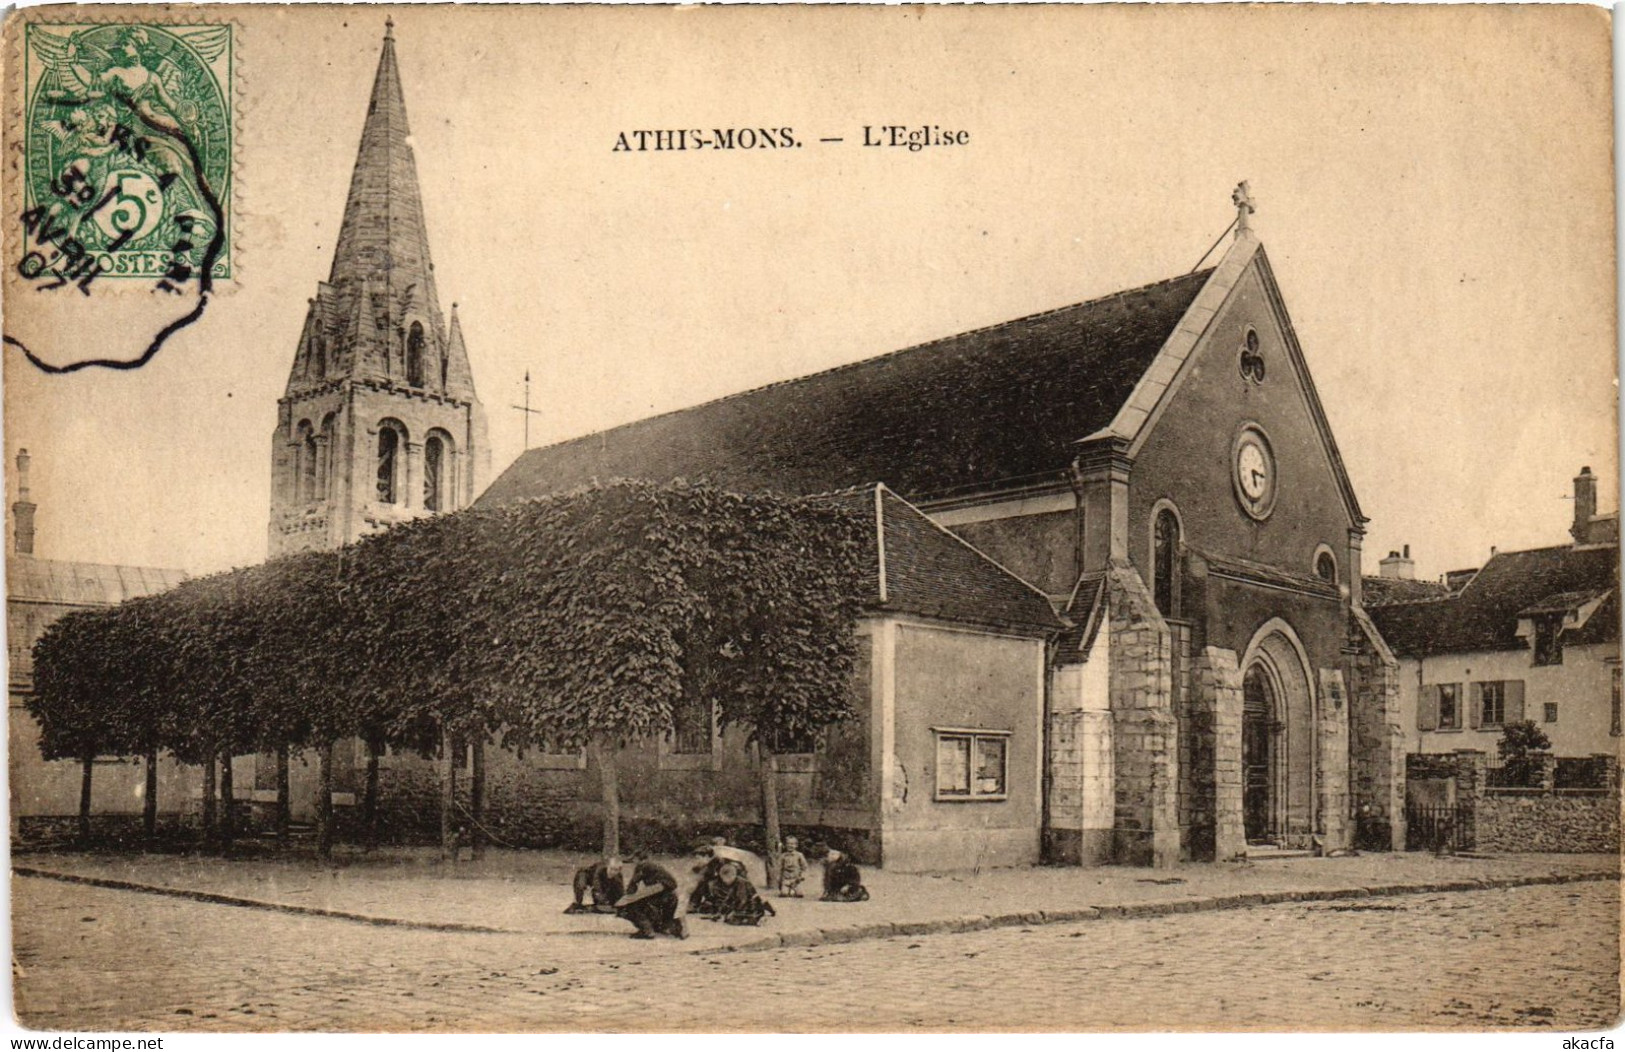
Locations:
379 422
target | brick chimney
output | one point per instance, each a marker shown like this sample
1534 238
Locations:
1398 567
1585 505
22 512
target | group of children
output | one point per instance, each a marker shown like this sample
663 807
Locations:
648 897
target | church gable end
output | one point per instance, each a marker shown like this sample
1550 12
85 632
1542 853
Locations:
1235 441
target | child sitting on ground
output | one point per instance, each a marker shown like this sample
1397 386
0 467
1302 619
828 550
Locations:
736 899
842 881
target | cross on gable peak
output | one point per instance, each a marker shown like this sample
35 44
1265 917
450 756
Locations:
1242 198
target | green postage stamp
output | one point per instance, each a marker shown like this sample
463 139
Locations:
128 154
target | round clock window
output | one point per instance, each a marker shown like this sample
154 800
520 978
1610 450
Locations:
1253 471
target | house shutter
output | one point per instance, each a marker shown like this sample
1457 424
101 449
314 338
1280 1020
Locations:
1475 706
1427 709
1514 700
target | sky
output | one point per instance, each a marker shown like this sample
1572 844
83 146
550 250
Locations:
1434 190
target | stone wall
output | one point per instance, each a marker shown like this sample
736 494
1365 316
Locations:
1562 820
1523 820
1144 730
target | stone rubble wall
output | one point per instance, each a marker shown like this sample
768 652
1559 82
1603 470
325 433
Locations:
1560 821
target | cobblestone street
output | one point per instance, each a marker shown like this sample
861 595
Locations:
1544 956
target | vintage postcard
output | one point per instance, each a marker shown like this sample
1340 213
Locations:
811 519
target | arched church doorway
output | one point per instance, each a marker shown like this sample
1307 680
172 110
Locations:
1258 727
1277 737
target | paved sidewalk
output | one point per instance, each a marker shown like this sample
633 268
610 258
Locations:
525 892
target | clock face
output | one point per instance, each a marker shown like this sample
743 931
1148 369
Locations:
1254 472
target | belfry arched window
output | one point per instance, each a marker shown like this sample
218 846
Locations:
303 461
318 357
1165 562
414 356
390 443
437 472
307 475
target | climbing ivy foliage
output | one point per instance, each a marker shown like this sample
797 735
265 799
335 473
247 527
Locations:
588 616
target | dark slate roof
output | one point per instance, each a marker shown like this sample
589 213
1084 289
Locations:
1376 591
1484 614
982 410
934 573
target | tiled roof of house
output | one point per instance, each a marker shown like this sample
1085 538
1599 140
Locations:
933 573
1484 615
1377 591
982 410
83 584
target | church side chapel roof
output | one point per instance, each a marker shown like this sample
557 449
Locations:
987 409
1484 615
933 573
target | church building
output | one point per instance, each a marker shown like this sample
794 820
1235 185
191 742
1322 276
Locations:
1117 609
1158 464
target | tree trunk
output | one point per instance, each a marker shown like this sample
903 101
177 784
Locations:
476 797
369 813
324 801
770 811
605 758
448 796
228 805
208 797
284 803
85 766
149 800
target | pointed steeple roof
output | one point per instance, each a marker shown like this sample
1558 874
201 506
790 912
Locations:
383 238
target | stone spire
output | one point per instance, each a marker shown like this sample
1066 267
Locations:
383 237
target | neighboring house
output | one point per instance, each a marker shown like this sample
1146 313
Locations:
942 768
1532 635
38 592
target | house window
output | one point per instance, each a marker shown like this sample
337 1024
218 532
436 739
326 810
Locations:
1551 712
1165 540
972 765
1549 639
1492 704
1449 706
693 726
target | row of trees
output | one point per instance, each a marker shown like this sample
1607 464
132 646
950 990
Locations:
583 619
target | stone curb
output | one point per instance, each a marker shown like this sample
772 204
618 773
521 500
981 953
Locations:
234 900
885 930
1138 910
